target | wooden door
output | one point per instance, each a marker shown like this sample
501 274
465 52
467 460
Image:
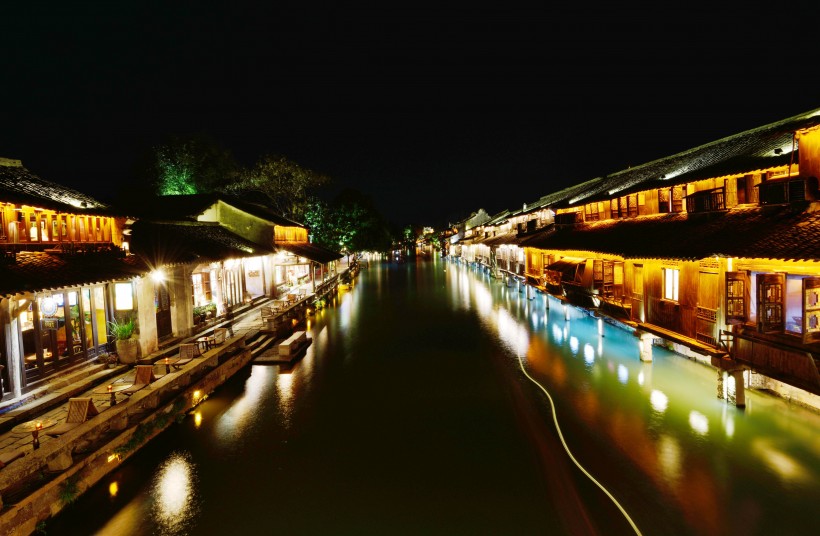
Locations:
162 304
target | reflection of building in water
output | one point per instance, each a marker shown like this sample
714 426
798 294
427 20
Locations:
711 251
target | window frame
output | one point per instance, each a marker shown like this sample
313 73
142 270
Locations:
671 287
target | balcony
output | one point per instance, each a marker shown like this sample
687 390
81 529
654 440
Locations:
706 201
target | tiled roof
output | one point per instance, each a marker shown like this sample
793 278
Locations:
35 270
746 152
19 185
777 232
188 207
184 242
502 239
310 251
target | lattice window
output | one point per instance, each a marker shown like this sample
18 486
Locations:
709 315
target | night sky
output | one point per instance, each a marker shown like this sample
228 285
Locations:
433 111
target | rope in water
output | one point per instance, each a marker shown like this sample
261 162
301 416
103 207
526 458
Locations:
569 453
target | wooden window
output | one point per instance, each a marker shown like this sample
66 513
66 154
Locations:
632 205
615 208
671 283
811 310
664 200
770 302
678 193
592 213
637 283
737 297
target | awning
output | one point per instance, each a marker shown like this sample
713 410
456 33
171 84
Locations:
310 251
567 267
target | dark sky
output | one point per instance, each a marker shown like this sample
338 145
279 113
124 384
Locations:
433 111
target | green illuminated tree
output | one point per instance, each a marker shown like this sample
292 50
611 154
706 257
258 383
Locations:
189 165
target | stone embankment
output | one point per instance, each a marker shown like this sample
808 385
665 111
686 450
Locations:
54 475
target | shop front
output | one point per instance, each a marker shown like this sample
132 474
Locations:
60 328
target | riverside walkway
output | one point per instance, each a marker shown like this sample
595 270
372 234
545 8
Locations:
42 475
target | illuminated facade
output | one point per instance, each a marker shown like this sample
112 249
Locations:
61 262
69 266
714 250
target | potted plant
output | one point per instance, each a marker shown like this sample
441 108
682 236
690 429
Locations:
127 345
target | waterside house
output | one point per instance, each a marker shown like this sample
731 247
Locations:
70 265
713 252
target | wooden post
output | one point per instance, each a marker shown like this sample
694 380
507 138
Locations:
645 347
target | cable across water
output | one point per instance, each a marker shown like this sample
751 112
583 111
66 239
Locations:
569 453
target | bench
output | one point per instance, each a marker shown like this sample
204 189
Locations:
293 344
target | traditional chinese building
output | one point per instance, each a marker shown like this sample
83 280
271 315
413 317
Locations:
218 253
714 251
61 261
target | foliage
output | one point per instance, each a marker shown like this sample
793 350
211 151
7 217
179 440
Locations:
184 165
287 185
69 490
202 309
350 223
121 330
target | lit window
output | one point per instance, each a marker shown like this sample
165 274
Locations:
671 277
123 296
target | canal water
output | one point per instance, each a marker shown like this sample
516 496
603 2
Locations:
413 412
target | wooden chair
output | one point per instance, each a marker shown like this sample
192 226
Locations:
79 410
220 334
143 376
187 353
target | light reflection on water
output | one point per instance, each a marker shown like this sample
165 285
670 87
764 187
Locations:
675 444
655 432
243 413
173 494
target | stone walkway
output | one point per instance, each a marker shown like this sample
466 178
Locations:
13 422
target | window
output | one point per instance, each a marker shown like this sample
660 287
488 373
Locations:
637 284
770 300
123 296
737 297
671 279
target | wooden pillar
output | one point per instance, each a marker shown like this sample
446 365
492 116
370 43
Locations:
721 386
740 388
645 347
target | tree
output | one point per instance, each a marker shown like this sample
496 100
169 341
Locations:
287 185
350 223
188 165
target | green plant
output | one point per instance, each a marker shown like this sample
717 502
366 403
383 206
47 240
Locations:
202 309
69 491
121 330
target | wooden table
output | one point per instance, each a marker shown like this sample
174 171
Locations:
112 389
35 427
206 342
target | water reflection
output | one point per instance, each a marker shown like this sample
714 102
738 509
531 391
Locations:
173 494
706 477
243 412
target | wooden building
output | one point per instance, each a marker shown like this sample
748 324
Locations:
71 264
714 251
